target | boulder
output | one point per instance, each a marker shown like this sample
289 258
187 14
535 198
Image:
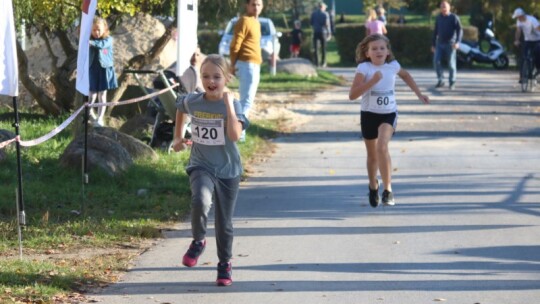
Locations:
108 149
298 66
139 126
135 148
133 36
103 152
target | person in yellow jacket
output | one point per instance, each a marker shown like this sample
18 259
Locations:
246 56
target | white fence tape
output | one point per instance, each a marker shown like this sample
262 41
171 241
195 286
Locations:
133 100
9 141
55 131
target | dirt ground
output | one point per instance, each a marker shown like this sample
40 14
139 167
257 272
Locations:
283 106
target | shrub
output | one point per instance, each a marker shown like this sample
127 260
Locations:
411 44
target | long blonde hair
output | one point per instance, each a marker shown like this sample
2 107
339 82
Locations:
372 15
363 46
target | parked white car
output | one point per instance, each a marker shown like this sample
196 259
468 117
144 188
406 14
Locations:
268 31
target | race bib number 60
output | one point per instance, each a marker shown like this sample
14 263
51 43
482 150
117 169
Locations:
379 100
210 132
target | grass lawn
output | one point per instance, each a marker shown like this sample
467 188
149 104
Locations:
67 252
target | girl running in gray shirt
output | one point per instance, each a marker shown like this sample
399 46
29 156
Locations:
214 166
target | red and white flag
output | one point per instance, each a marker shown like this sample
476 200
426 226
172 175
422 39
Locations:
9 72
188 16
83 62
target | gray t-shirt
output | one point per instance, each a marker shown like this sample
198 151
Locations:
212 150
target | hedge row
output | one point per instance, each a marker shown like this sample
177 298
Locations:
411 44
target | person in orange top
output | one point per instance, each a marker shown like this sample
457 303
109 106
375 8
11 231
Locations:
246 57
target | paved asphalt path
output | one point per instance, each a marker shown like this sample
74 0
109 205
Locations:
465 229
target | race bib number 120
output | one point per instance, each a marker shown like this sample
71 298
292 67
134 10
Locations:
210 132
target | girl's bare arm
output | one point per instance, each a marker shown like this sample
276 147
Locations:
179 142
407 78
359 87
234 127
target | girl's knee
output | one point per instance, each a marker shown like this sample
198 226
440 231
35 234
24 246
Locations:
201 201
382 147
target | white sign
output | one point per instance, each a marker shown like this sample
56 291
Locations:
9 71
187 33
83 62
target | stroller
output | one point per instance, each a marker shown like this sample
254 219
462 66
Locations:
163 107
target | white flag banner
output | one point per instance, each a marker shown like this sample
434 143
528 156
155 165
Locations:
9 72
186 30
83 62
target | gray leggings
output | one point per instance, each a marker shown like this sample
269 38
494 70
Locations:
204 187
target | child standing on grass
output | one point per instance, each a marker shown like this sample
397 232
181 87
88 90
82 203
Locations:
214 166
375 83
102 75
297 37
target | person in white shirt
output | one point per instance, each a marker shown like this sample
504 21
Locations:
375 82
530 28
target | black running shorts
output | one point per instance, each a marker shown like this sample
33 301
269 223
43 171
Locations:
370 122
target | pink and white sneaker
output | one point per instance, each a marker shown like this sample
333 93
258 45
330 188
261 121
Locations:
193 253
224 274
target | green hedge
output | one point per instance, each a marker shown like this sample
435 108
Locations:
209 41
411 44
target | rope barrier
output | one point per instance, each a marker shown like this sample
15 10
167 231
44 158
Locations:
71 118
54 131
133 100
9 141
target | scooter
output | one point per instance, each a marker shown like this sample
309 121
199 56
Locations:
470 51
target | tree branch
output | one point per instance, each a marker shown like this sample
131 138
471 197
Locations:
141 60
44 101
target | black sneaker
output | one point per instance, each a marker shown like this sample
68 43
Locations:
452 86
224 274
374 196
193 253
388 198
440 84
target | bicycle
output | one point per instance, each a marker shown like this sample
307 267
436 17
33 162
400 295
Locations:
528 72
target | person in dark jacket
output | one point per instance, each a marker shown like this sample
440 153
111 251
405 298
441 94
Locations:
320 22
446 39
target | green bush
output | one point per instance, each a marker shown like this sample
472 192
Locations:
411 44
209 42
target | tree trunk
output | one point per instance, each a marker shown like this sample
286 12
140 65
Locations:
141 60
65 76
44 101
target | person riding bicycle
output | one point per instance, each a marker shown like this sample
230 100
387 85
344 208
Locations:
530 27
